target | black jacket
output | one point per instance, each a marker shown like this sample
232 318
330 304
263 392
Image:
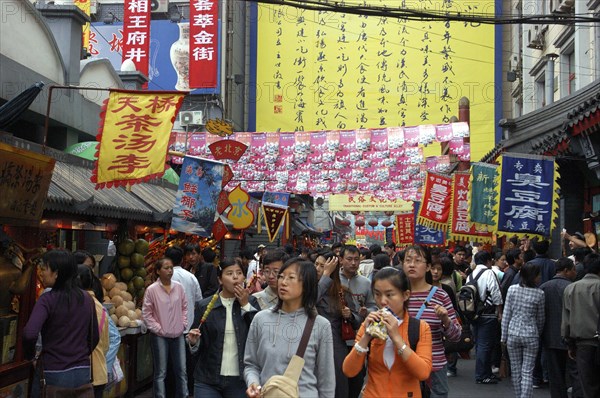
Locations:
210 352
207 278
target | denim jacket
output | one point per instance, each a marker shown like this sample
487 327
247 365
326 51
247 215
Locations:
210 348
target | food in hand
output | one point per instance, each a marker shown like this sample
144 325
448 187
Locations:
378 329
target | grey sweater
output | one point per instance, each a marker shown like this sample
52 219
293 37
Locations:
272 341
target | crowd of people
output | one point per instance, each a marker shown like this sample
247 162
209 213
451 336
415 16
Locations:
344 321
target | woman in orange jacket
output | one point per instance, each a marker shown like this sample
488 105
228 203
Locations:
394 369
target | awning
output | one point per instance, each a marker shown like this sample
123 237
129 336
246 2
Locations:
300 227
71 191
584 118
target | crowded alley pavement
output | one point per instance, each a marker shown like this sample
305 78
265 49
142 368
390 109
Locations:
461 386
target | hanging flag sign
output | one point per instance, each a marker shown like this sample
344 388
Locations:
204 43
460 228
528 195
136 33
219 229
435 207
405 228
425 235
482 195
227 150
240 214
274 216
85 7
196 202
134 136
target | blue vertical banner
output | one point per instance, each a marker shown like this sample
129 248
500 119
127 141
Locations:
195 209
528 198
426 235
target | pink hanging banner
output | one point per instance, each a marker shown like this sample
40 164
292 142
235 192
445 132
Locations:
136 33
204 43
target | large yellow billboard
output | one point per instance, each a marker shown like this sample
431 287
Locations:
328 71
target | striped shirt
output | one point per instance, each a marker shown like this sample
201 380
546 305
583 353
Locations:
437 329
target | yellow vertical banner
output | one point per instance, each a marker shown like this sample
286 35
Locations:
85 6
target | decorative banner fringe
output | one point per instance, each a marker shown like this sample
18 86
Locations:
482 226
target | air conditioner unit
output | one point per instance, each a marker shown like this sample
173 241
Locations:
159 5
535 38
187 118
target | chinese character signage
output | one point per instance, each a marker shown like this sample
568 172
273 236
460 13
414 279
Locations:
435 207
134 136
195 209
482 197
168 68
84 6
528 195
425 235
460 227
404 228
204 44
24 180
330 70
136 33
240 214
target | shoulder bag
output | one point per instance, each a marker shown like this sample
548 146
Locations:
286 386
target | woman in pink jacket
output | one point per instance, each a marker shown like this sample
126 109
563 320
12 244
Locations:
165 314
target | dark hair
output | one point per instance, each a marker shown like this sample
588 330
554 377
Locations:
307 273
89 281
514 240
528 255
336 245
390 245
447 265
158 265
529 273
289 249
380 261
208 255
63 262
482 257
225 263
541 247
191 247
512 255
274 256
82 255
459 248
498 255
349 249
366 253
580 253
435 251
422 251
563 264
375 249
395 276
175 253
248 254
336 288
591 263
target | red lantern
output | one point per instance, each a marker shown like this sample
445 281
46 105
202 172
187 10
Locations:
373 222
355 212
345 223
388 213
359 223
386 223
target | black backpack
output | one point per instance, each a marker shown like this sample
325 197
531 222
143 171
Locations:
414 332
469 302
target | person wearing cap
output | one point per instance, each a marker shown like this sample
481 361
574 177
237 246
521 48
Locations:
576 240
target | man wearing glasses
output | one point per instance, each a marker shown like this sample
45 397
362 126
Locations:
272 263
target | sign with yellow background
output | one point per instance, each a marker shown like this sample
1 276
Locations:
328 71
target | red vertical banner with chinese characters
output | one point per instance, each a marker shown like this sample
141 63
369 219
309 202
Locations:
405 224
134 136
204 43
460 228
136 33
435 206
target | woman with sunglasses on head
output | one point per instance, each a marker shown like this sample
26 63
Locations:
433 306
394 368
219 335
275 335
335 303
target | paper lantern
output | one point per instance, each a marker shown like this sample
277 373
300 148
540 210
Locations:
373 222
345 223
388 213
359 223
386 223
356 213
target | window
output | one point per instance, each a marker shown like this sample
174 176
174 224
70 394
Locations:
571 71
540 91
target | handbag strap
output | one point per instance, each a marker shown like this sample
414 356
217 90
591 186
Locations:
91 338
427 300
305 336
